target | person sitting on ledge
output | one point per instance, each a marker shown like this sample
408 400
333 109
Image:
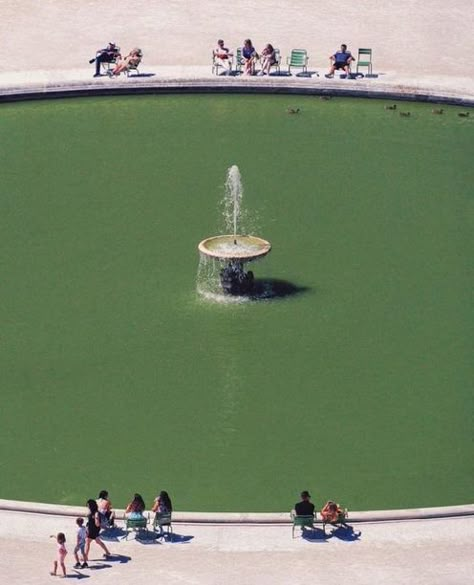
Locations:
340 60
222 56
108 55
132 59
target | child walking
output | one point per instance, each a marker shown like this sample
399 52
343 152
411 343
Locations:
80 544
62 552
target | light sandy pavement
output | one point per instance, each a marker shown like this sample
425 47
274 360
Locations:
416 44
422 552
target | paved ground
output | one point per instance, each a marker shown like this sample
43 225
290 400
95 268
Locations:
416 45
431 552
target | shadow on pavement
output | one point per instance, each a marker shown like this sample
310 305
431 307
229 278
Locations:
346 533
315 535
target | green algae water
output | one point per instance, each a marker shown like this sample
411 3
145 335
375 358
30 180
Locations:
116 374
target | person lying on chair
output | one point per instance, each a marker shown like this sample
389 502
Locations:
132 59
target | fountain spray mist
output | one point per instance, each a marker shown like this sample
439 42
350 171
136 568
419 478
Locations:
233 199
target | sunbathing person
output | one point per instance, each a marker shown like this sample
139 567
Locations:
340 60
108 55
332 513
222 56
268 57
132 59
250 56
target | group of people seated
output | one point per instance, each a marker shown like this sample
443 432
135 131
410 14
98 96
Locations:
341 59
249 57
111 54
134 510
331 513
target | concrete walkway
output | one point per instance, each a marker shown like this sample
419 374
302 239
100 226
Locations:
434 552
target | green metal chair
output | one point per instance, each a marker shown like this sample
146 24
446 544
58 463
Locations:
340 520
238 60
364 59
161 521
299 59
301 522
136 525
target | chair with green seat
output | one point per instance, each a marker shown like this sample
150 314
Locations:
162 520
238 60
364 59
136 525
299 59
301 522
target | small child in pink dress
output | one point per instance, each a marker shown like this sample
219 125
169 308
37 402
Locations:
62 552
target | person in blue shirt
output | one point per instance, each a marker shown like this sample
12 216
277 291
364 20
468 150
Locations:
340 60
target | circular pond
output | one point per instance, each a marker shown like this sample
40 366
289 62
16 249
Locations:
117 375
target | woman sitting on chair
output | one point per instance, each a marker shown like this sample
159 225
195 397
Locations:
332 513
132 59
268 59
134 510
162 504
249 55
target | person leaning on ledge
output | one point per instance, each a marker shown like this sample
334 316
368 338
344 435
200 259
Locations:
305 507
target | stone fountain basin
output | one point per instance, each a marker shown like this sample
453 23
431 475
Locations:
229 247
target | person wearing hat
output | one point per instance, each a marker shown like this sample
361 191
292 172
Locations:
108 55
305 507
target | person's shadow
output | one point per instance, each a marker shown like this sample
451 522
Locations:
346 533
315 535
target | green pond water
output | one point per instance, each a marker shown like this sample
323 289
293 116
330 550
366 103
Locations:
115 374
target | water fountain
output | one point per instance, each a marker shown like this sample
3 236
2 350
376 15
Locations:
232 251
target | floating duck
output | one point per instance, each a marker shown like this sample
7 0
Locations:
437 111
392 107
405 114
325 97
463 114
293 110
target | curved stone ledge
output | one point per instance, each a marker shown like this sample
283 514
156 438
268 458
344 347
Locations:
284 86
251 517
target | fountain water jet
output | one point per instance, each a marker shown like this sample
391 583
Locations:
234 249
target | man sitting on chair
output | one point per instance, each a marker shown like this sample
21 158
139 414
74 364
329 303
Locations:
340 60
222 56
108 55
305 507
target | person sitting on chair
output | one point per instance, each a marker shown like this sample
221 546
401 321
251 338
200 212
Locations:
249 55
268 59
108 55
222 56
162 504
107 515
332 513
305 507
132 59
134 510
340 60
